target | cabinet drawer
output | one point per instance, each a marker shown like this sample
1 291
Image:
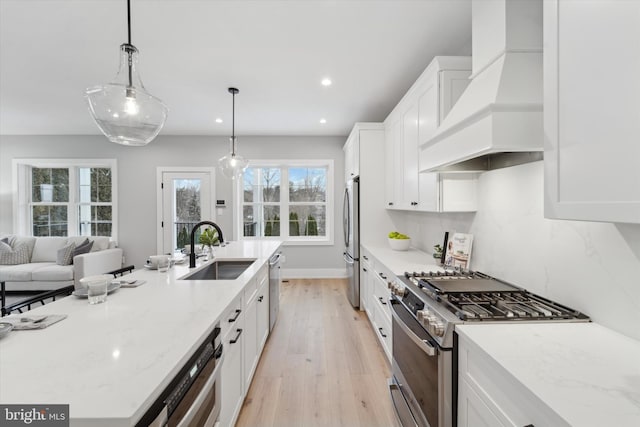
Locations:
381 295
231 316
382 329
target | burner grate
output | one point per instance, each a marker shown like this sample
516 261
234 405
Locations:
516 305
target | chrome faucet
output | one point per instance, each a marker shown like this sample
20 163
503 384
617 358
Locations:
192 254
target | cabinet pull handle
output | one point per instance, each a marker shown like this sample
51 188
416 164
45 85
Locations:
233 319
414 203
365 257
260 298
235 340
382 301
390 203
364 269
383 276
381 333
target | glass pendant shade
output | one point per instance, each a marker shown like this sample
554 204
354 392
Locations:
123 110
233 165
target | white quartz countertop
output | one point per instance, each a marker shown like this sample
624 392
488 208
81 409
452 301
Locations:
400 262
588 374
110 361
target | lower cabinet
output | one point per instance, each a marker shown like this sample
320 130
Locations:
490 396
232 326
262 317
375 290
245 329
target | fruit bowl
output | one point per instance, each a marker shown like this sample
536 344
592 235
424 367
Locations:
400 244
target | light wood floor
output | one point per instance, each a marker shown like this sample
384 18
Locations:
322 364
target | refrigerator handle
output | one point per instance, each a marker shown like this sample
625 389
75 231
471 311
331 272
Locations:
346 220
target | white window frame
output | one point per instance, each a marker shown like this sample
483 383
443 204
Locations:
21 168
284 165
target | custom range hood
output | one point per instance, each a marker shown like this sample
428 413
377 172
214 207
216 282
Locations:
497 122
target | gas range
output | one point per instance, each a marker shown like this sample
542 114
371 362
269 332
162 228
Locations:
442 299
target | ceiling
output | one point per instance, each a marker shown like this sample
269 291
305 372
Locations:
275 52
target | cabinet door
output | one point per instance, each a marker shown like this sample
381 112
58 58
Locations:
472 411
366 288
592 110
428 121
348 160
389 166
452 84
250 340
231 376
409 168
263 314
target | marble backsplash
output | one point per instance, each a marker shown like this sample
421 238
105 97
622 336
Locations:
592 267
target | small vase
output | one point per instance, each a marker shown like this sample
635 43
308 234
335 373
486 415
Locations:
209 251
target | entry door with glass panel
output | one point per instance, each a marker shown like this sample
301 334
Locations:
186 200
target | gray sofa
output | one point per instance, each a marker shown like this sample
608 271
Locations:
43 273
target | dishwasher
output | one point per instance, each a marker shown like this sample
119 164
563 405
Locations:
274 287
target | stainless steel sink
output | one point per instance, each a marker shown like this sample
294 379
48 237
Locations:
221 270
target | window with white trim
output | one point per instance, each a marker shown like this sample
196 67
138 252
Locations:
65 197
290 200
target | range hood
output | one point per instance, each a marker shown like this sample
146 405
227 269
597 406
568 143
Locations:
497 121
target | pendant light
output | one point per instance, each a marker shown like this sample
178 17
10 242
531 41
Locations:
123 109
233 165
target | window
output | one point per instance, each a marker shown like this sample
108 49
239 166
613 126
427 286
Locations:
287 200
59 197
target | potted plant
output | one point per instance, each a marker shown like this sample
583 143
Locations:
437 251
208 238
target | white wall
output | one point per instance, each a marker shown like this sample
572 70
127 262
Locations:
137 181
592 267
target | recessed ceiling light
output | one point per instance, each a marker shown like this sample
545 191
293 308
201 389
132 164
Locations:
326 81
323 121
218 120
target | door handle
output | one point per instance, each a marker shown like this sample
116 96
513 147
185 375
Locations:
235 340
233 319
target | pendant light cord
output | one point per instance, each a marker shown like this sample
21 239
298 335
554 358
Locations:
130 53
233 91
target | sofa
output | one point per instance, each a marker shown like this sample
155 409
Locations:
44 270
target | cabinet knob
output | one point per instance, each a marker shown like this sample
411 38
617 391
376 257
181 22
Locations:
390 203
414 203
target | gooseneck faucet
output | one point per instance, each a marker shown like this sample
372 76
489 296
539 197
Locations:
192 254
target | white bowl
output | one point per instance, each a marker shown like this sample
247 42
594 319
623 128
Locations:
100 278
400 244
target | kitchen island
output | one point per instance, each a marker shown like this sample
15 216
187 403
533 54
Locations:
111 361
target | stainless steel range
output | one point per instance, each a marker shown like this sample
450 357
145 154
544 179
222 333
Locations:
426 307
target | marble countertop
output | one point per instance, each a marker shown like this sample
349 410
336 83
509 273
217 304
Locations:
588 374
110 361
400 261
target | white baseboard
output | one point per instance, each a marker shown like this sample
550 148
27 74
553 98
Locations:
313 273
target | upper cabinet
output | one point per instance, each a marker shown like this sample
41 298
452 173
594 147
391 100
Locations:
365 158
412 122
352 156
592 110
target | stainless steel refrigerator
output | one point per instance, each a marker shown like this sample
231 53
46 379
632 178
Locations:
351 227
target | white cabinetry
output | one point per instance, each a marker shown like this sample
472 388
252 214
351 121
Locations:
366 284
374 219
592 110
412 122
245 329
375 294
352 157
263 312
489 396
232 328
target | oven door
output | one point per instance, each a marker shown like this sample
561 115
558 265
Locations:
421 384
200 406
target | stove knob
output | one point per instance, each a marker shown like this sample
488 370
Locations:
390 285
421 314
436 328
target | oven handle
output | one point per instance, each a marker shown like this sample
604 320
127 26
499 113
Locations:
394 389
423 344
198 401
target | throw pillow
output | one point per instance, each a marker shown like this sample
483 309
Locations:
65 254
83 248
14 256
